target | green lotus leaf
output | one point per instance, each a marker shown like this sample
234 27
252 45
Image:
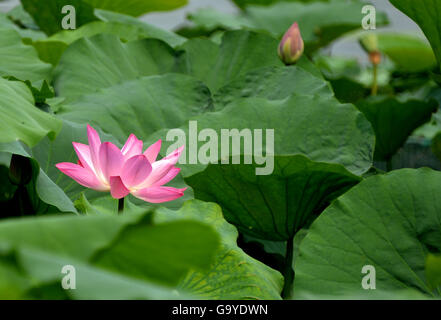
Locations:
389 222
276 206
155 102
109 62
19 60
233 274
26 123
273 83
239 52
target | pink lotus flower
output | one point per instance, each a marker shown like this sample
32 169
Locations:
104 167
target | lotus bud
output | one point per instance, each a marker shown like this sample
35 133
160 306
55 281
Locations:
291 46
370 44
375 58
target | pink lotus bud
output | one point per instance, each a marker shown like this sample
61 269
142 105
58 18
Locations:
291 47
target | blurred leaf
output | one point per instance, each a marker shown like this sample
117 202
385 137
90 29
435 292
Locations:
22 18
422 12
233 275
394 121
38 276
92 241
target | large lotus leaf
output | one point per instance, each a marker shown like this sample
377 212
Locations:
169 250
390 222
318 127
48 14
19 60
102 61
276 206
233 274
51 49
35 274
409 53
239 52
125 27
149 30
424 13
273 83
142 106
394 121
7 23
21 119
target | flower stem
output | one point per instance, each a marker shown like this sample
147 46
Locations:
120 205
375 80
288 272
